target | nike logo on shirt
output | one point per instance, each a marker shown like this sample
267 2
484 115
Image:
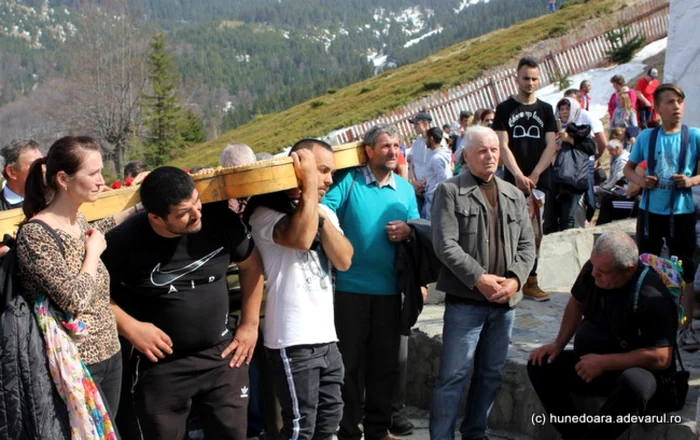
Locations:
160 278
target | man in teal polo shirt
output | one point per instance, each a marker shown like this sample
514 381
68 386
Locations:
373 205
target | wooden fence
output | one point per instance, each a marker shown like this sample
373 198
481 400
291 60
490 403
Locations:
650 20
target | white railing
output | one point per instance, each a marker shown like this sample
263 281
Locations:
650 20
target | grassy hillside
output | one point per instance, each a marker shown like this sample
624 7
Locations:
367 99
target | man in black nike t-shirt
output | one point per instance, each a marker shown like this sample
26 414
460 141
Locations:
170 297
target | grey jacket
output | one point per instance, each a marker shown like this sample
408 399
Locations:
460 235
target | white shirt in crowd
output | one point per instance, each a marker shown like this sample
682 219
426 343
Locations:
438 170
299 306
419 157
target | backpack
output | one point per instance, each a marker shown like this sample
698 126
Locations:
651 167
671 273
570 167
30 407
672 385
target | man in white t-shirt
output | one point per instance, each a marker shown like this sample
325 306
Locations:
300 241
438 169
418 156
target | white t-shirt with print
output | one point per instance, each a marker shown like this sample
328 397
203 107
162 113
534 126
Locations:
299 307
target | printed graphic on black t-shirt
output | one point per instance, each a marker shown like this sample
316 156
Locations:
526 125
178 284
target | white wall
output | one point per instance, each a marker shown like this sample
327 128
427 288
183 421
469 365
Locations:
683 55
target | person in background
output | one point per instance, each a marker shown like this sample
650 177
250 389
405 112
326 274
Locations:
417 156
585 91
465 119
575 132
18 156
487 117
587 204
618 159
438 168
527 131
624 114
618 83
645 88
134 173
446 129
234 155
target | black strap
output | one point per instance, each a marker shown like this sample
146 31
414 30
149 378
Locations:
52 232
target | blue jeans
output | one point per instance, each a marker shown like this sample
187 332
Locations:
472 335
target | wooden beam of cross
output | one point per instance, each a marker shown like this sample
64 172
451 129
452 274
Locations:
221 184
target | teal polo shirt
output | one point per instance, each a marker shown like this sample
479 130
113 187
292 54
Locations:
364 209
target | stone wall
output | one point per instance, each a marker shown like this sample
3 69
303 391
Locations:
562 256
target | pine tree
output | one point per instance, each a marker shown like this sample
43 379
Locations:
193 129
164 115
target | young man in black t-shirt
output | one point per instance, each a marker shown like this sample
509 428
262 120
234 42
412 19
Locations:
526 129
170 297
618 352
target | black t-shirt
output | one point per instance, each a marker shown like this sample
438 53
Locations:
610 325
178 284
527 125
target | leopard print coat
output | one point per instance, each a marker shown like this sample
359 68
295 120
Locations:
43 269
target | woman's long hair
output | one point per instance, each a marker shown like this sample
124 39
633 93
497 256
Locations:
66 154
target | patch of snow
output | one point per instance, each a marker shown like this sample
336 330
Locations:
342 31
376 59
601 89
465 4
228 106
412 18
243 58
410 43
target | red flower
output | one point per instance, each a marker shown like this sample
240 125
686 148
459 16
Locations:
128 181
116 185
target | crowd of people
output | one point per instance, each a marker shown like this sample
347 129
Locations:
133 311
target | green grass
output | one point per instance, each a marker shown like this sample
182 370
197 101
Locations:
373 97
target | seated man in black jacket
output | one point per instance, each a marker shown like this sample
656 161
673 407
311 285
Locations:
618 352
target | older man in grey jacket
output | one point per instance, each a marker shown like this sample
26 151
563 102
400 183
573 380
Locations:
483 236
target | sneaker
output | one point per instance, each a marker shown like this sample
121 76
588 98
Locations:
532 290
688 341
400 425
